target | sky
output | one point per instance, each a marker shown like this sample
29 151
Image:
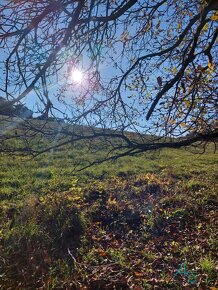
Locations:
107 70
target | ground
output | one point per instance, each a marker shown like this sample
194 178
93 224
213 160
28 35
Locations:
146 222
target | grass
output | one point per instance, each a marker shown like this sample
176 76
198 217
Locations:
207 265
129 224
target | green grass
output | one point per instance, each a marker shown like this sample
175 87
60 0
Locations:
128 224
208 265
54 171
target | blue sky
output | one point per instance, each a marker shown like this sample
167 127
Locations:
107 70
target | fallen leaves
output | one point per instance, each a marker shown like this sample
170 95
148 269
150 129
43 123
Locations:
139 229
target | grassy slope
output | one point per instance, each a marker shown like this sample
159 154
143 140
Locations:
128 224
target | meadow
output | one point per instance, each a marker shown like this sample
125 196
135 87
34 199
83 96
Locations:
129 224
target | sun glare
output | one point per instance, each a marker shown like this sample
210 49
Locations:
76 76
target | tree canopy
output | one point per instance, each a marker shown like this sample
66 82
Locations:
147 67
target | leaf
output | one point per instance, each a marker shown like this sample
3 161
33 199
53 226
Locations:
211 66
147 27
138 274
214 17
199 226
187 103
159 81
41 199
179 25
124 36
112 201
205 28
138 288
200 68
183 87
47 258
172 121
174 243
102 253
174 70
158 24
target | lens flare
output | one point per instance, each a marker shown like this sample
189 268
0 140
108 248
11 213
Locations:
77 76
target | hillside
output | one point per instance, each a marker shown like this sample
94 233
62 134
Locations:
145 222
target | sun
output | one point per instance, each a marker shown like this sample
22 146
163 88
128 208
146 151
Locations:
76 76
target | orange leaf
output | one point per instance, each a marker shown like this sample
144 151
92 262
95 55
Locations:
102 253
214 17
138 274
